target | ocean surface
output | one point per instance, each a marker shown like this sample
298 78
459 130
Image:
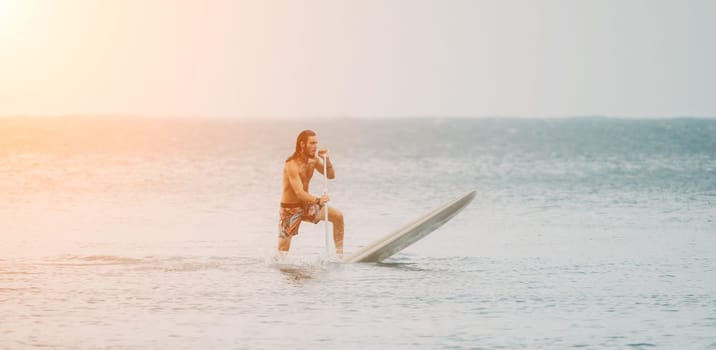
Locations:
140 233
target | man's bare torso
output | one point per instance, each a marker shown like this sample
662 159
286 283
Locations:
305 172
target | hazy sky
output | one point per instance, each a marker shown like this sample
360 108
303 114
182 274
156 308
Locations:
359 58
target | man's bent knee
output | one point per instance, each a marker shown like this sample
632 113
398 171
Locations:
335 215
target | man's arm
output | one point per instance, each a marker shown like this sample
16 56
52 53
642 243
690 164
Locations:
297 185
329 167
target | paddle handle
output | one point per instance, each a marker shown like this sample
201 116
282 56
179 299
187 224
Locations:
325 191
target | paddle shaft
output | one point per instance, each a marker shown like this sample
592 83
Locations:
325 191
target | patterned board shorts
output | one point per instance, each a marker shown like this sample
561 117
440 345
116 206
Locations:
290 218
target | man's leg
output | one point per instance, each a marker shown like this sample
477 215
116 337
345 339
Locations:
336 218
284 244
288 226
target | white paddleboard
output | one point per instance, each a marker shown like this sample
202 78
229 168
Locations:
410 233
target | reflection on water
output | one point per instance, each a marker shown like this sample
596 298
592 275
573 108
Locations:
297 273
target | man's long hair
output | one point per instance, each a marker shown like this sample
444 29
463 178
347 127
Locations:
302 137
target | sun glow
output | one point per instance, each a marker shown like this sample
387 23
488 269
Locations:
15 22
8 14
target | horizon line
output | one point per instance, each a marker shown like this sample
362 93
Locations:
340 116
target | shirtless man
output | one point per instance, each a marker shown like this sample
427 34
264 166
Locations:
296 203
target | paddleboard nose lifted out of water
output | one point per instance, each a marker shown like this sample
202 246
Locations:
400 239
298 205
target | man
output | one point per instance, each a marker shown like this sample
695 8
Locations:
296 203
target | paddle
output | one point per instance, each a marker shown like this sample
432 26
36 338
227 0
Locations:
325 191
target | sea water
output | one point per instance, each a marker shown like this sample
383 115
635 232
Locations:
138 233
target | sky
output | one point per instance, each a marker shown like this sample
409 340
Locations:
364 58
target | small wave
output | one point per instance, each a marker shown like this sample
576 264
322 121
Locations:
95 260
153 263
641 345
13 290
411 262
15 273
402 266
187 266
111 259
190 264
